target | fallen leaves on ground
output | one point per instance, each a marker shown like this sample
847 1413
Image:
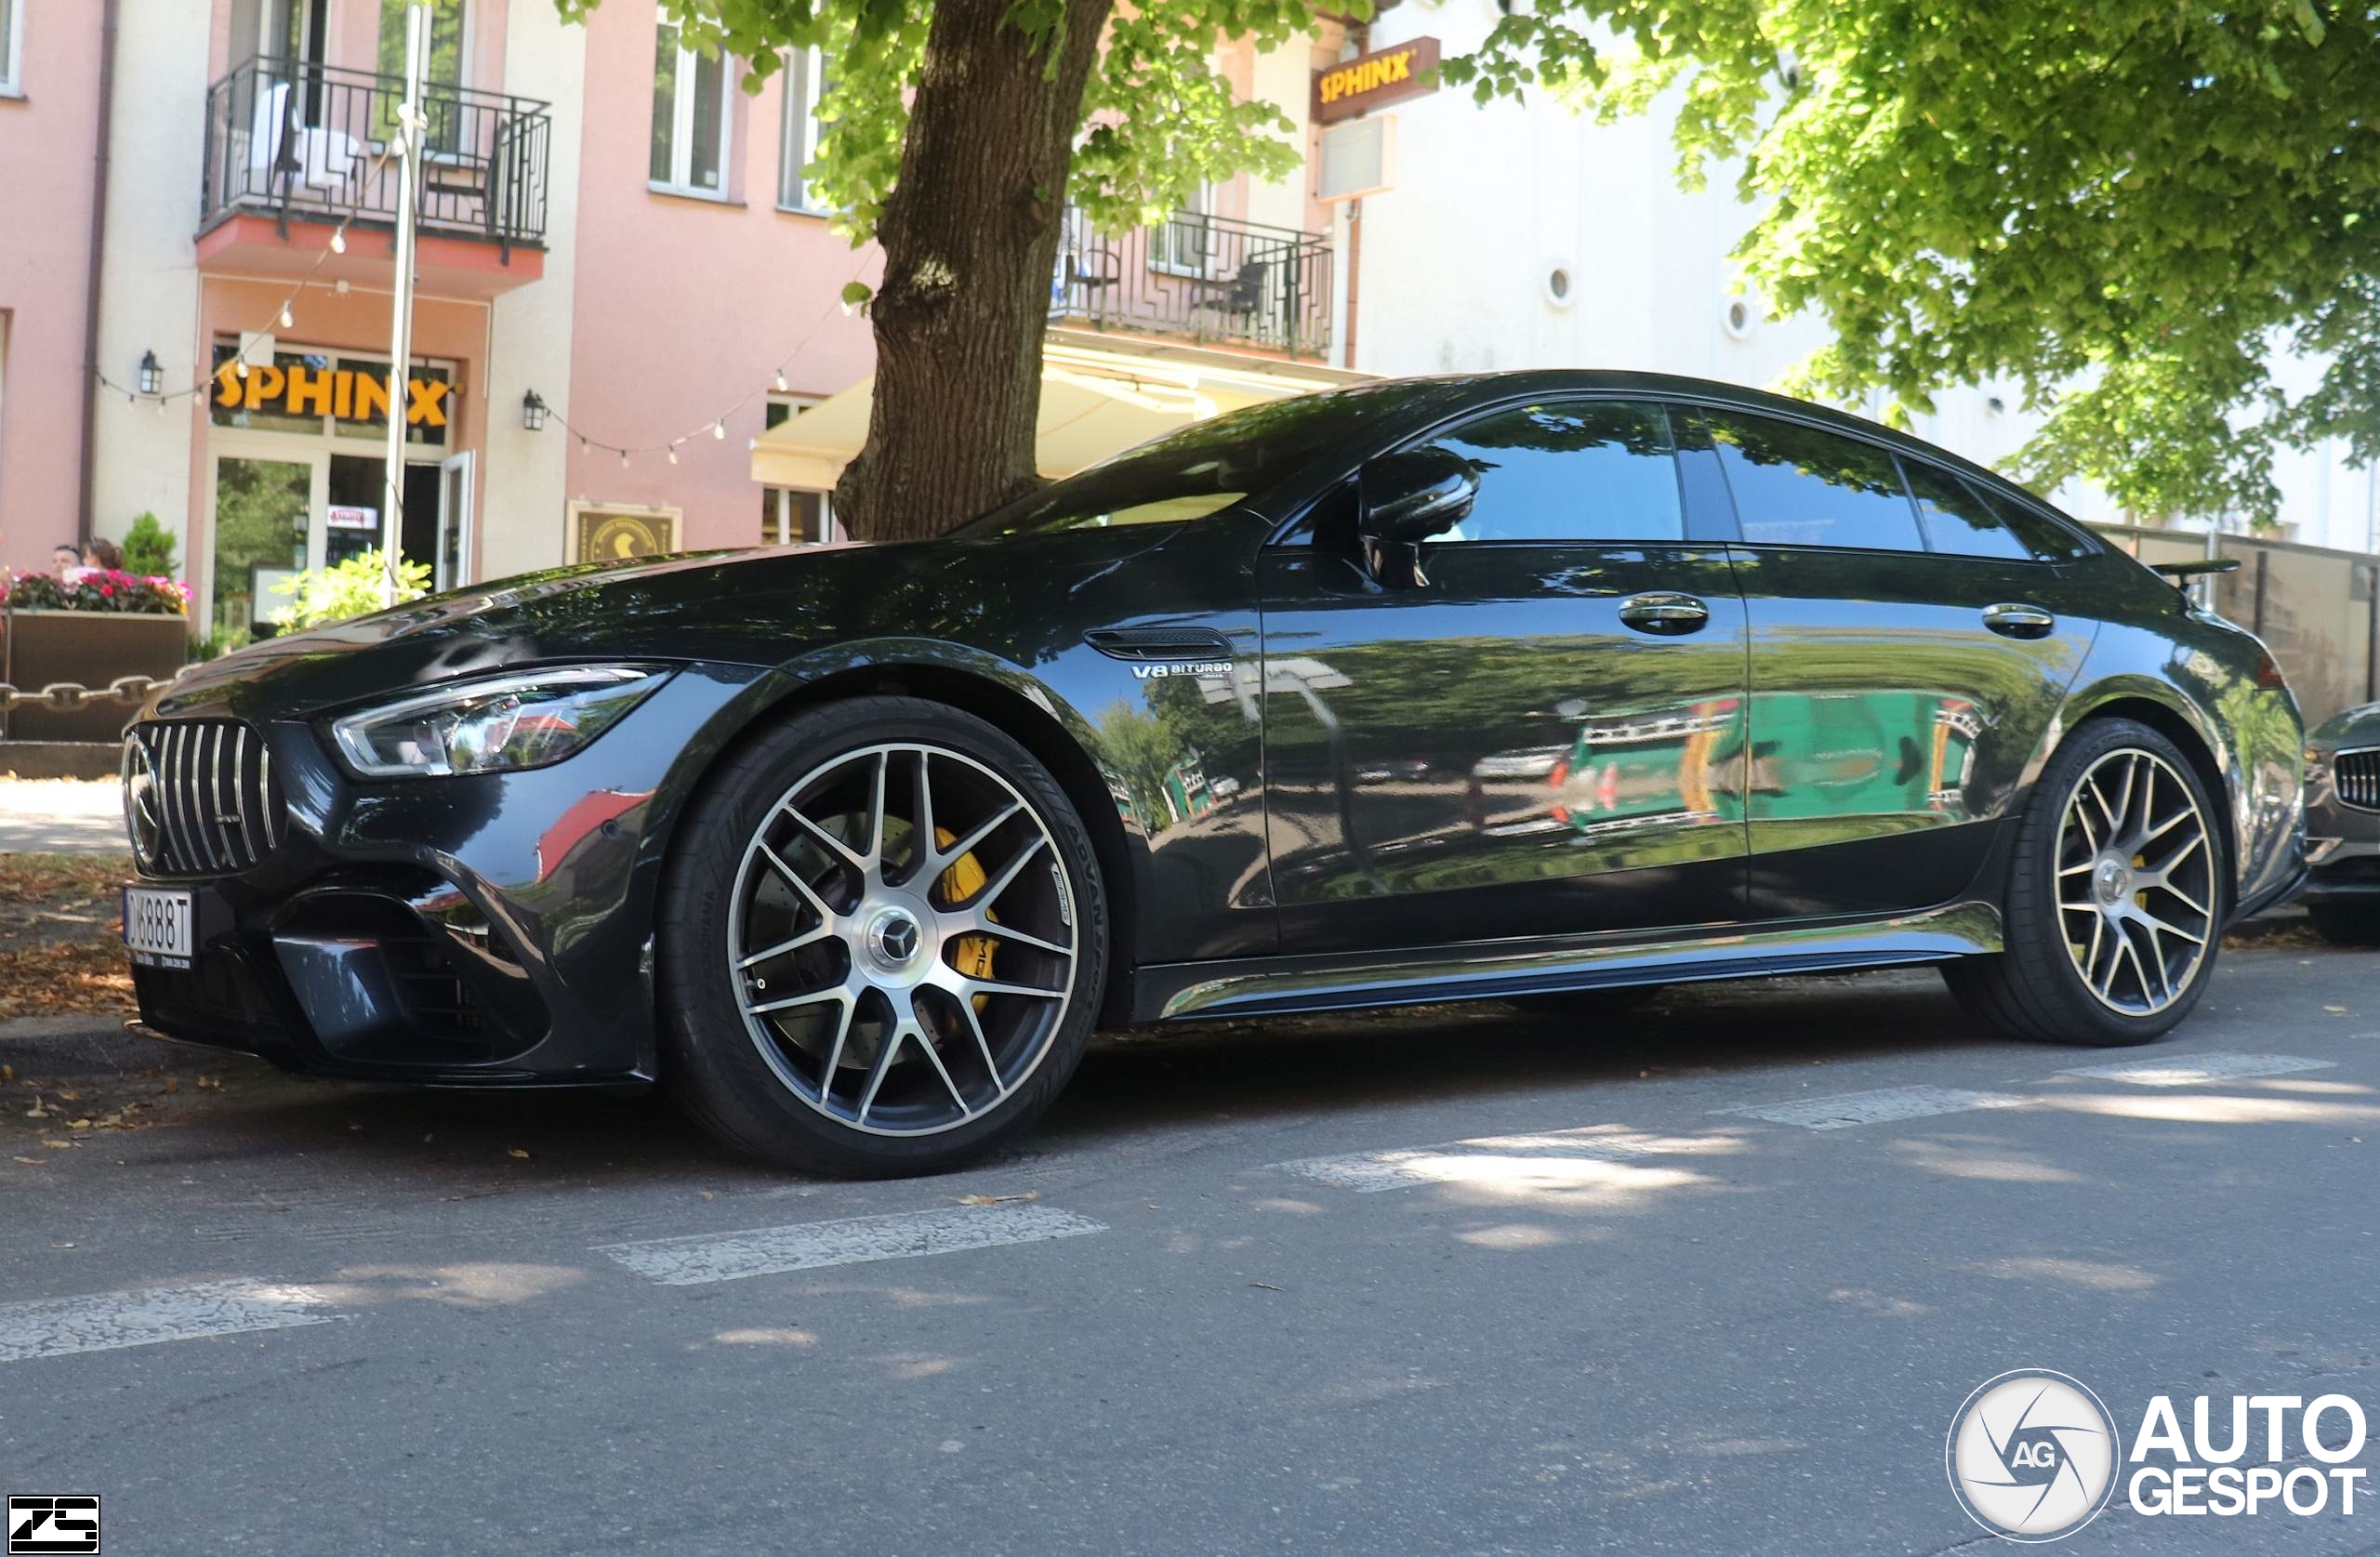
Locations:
34 880
65 978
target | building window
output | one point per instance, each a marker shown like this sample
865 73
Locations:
446 62
1185 242
12 37
791 518
805 88
690 117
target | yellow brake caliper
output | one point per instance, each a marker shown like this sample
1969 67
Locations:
961 880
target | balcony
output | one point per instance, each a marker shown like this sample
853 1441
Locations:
1201 278
294 148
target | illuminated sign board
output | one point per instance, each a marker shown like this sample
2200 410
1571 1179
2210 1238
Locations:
1375 80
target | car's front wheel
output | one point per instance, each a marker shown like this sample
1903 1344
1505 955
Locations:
882 941
2114 905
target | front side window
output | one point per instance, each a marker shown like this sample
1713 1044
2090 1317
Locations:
1797 485
1580 471
805 89
690 107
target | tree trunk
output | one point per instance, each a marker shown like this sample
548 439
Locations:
970 236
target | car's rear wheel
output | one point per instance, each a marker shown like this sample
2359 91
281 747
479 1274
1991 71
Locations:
2346 924
2114 905
882 941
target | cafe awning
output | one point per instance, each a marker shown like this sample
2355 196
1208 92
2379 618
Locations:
1095 402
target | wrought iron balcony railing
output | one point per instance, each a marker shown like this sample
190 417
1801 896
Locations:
1202 277
301 142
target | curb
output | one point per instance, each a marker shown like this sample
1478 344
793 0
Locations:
88 1046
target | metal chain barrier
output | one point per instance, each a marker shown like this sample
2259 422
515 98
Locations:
65 698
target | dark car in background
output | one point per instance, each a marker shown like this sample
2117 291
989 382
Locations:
1506 686
2342 826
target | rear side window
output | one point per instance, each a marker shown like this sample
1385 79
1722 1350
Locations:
1796 485
1575 471
1958 522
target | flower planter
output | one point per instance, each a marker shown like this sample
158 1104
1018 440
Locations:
38 648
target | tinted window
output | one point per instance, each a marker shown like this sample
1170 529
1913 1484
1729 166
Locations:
2047 539
1957 519
1210 464
1580 471
1795 485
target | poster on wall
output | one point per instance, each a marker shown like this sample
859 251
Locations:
600 534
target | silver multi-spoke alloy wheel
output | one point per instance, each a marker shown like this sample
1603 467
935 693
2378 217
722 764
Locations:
2137 883
901 939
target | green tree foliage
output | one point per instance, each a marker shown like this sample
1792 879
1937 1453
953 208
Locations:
1160 120
345 589
2122 206
149 548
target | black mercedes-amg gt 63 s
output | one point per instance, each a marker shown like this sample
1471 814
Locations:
1512 686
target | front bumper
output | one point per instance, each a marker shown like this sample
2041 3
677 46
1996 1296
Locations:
2342 844
491 929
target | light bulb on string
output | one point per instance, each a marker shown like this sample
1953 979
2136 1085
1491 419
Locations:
583 447
673 453
780 380
338 240
718 429
244 366
624 459
289 318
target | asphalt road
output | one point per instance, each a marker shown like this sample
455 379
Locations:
1735 1313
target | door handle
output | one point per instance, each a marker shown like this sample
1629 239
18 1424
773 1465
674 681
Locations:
1664 613
2018 621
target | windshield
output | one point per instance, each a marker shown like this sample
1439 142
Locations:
1204 467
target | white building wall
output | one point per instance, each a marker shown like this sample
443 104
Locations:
149 272
521 474
1488 201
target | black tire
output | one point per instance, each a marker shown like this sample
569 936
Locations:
2032 987
712 1057
2346 924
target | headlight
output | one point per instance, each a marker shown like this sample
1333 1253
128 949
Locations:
496 726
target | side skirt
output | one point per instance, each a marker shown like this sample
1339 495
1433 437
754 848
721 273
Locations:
1493 969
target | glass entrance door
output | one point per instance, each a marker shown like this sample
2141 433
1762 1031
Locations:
262 509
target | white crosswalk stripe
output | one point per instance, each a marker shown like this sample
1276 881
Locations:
1884 1106
61 1326
763 1251
2196 1070
1501 1158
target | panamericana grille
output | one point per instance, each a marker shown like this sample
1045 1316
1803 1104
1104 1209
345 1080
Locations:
2356 776
199 796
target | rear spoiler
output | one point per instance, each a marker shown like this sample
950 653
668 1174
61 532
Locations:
2196 567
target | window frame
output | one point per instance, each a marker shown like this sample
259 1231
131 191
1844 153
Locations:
12 49
681 123
1167 232
797 138
1675 419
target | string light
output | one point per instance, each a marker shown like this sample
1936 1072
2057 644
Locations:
285 314
717 425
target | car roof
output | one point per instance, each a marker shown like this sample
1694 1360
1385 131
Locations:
1466 391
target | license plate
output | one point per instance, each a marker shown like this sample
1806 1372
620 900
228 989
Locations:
157 926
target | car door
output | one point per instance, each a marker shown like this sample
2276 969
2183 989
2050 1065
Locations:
1538 731
1910 645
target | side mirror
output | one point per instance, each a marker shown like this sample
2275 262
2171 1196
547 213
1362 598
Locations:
1408 497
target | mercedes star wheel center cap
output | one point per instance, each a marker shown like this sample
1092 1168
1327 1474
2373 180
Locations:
893 938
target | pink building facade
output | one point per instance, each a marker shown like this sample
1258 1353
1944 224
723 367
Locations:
49 150
622 282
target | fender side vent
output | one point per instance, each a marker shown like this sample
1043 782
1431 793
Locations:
1159 643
